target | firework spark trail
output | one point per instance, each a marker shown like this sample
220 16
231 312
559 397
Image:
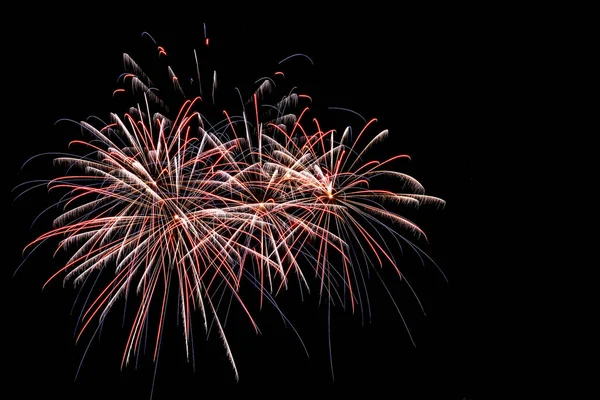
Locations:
266 195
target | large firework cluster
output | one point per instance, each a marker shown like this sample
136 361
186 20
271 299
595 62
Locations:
265 197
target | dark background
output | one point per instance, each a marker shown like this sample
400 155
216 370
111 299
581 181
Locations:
438 88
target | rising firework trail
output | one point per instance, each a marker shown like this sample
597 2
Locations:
195 209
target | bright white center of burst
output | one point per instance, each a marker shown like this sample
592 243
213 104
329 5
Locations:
261 205
330 196
184 220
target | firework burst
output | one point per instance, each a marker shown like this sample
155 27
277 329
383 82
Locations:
261 198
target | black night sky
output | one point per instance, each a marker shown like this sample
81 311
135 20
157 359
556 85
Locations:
435 87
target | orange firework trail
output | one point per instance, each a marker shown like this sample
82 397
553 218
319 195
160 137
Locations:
265 197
